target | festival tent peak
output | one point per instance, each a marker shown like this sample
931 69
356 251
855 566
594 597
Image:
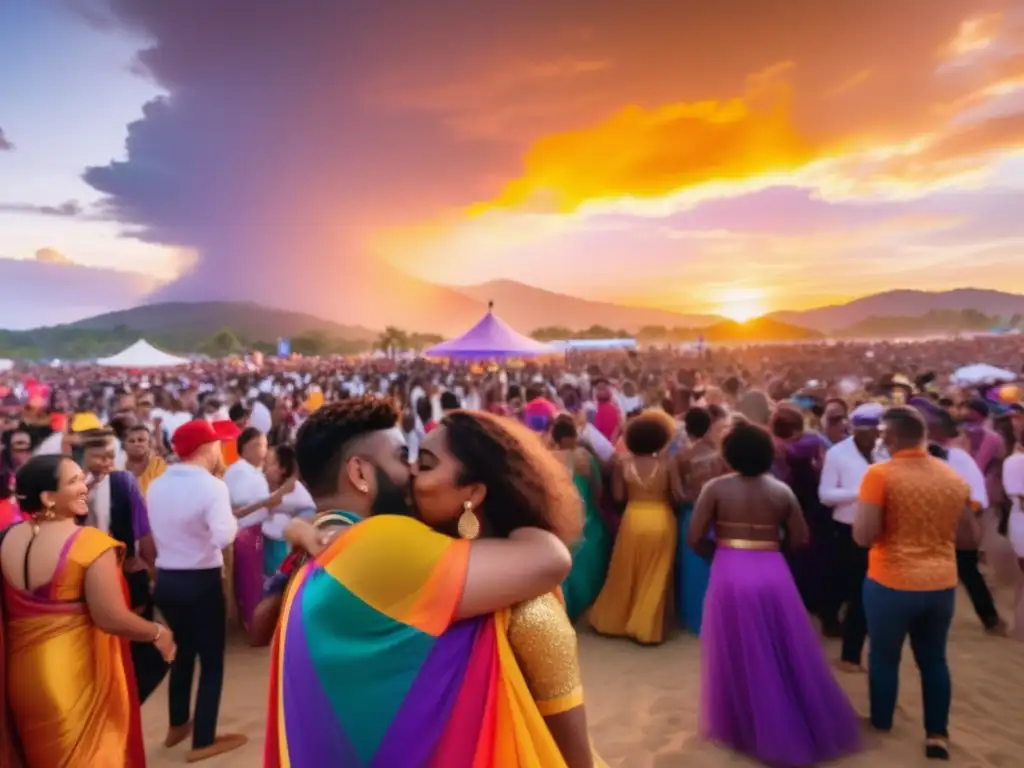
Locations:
142 354
491 338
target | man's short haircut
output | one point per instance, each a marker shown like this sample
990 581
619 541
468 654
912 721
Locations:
246 436
906 425
324 437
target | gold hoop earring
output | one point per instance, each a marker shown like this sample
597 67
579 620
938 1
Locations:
469 523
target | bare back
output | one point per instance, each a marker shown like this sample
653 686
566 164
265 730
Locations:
752 509
35 556
646 478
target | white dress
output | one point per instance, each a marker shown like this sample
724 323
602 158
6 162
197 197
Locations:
1013 485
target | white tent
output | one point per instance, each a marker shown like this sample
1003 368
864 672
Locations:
6 365
142 354
982 373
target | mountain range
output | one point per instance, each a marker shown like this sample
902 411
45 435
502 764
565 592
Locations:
450 311
904 303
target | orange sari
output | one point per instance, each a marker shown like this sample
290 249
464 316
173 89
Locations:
71 698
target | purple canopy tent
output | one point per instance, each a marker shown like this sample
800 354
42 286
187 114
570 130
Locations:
491 339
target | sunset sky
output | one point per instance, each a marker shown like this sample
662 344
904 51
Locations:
735 156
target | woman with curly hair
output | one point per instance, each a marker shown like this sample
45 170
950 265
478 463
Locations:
437 641
766 686
635 598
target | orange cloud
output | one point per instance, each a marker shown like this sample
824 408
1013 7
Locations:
973 35
650 153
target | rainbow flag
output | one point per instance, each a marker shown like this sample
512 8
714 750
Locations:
368 669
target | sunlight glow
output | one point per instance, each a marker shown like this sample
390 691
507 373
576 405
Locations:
741 304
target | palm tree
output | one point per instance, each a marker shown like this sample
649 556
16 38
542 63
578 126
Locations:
393 340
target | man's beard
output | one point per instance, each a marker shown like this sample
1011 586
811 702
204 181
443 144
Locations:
391 499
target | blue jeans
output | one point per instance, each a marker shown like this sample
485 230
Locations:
892 615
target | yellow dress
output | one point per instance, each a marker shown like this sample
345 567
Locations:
544 644
637 592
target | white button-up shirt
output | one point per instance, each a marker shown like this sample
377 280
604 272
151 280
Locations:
190 514
841 475
247 485
960 461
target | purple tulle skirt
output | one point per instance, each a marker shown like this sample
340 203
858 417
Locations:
248 572
766 686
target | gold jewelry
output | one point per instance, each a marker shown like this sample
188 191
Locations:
49 514
469 523
364 488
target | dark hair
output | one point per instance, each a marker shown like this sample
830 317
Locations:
424 409
717 412
697 422
563 428
121 426
449 401
285 456
946 424
237 412
905 424
787 422
837 401
246 436
37 476
97 438
748 449
527 486
322 439
138 428
648 433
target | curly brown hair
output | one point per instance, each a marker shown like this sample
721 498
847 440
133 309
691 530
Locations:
322 439
527 486
649 432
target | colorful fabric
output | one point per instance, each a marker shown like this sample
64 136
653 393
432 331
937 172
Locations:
68 672
368 668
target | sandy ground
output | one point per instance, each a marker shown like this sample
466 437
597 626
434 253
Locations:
642 705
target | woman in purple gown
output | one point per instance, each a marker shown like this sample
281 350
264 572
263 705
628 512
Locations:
766 687
799 458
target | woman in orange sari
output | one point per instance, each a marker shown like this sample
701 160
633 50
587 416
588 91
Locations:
70 700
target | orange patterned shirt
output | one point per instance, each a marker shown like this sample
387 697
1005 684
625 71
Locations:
922 500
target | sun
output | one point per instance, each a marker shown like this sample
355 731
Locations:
741 304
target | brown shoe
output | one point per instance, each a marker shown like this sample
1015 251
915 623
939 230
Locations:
226 742
177 734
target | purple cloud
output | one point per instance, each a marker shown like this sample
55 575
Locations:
68 209
271 159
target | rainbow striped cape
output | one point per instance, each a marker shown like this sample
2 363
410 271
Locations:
369 671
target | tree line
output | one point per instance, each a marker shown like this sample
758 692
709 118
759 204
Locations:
76 343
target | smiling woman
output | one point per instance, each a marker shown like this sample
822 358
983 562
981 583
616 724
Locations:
741 304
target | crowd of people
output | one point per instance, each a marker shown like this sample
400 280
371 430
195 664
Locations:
419 543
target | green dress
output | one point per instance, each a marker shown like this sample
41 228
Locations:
591 554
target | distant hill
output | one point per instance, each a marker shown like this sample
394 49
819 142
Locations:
904 303
759 329
527 308
203 319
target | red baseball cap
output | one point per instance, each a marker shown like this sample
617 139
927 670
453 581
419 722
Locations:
191 436
226 430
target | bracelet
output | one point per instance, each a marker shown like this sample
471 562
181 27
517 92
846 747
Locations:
159 632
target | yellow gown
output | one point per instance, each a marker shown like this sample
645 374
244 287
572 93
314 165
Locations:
637 593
